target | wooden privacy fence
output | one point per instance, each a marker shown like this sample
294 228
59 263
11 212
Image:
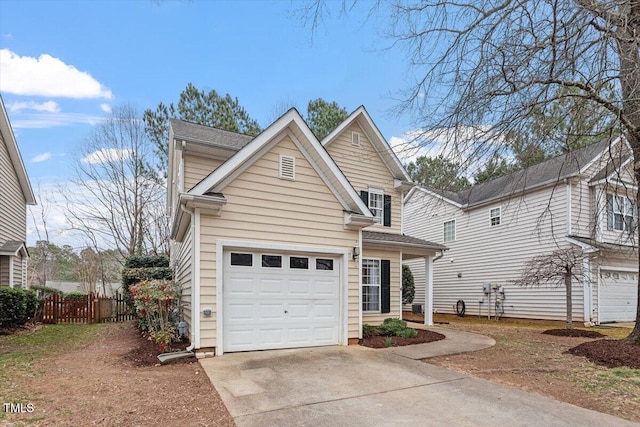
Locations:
91 308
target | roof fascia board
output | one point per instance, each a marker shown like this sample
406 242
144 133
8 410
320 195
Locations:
400 245
432 194
615 182
14 155
586 248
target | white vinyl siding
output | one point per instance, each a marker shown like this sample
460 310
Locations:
261 207
197 168
183 273
363 167
13 209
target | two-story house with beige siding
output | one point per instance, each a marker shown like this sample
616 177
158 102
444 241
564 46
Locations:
584 199
16 195
283 240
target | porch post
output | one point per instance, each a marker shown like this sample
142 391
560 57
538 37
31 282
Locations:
428 291
586 288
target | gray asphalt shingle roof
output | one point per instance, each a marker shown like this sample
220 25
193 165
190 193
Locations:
376 236
207 135
548 171
11 246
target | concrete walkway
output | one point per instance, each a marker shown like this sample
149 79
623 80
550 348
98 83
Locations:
455 342
352 386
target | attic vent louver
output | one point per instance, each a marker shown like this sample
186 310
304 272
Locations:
287 167
355 138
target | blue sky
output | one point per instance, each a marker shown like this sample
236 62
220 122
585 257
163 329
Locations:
144 52
64 64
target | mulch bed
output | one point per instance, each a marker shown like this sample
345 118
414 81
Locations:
146 352
609 353
581 333
380 341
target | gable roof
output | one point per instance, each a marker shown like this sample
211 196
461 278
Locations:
363 119
14 155
13 247
541 174
293 125
193 132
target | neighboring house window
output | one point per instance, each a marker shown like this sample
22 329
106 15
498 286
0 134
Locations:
622 213
450 231
379 204
371 281
495 216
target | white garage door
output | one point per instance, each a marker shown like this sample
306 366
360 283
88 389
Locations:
276 300
618 296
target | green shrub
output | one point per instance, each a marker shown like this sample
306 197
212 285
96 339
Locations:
392 327
17 306
131 276
408 285
43 291
146 261
369 331
157 305
74 295
409 333
388 342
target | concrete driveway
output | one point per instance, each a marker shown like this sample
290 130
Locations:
357 386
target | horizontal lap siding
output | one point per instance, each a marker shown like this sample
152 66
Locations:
13 210
261 207
363 167
4 270
197 168
17 271
396 285
482 253
183 273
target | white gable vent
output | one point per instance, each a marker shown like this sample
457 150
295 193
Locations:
287 167
355 138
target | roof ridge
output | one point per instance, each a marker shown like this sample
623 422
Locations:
211 127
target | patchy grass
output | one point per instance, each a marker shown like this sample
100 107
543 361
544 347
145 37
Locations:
525 358
20 352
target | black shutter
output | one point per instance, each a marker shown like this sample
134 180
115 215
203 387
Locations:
364 195
385 288
387 210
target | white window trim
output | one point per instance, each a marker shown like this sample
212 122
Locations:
355 139
625 206
379 285
293 168
444 234
499 216
378 192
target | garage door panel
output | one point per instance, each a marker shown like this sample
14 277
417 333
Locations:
618 296
269 308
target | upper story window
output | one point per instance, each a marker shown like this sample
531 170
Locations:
495 216
622 213
450 231
355 138
379 204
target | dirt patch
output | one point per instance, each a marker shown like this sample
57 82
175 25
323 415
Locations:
381 341
574 333
95 384
523 357
145 353
609 353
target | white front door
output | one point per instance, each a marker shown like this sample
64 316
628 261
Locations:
618 296
280 300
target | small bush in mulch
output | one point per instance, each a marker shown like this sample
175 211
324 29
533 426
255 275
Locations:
574 333
145 353
609 353
383 341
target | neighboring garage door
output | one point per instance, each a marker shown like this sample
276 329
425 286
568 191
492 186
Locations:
277 300
618 296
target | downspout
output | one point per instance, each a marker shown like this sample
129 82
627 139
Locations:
438 256
193 332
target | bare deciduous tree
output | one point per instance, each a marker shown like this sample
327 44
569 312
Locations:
482 67
557 268
116 192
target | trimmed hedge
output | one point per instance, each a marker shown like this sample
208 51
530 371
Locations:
17 306
131 276
74 295
146 261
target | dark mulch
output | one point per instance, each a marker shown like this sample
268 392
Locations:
609 353
380 341
146 352
574 333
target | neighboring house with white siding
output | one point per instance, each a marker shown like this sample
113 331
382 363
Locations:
16 195
283 240
584 199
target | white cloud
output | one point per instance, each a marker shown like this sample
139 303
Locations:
8 36
47 76
41 157
106 108
106 155
49 106
38 121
